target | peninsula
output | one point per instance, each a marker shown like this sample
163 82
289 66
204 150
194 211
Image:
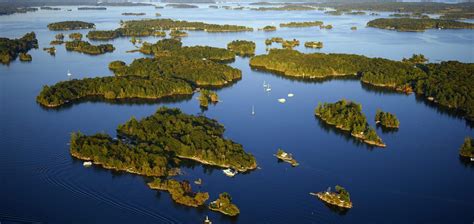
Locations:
417 25
11 48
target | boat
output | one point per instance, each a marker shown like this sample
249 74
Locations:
207 221
291 95
229 172
265 84
269 88
69 73
282 100
253 110
87 163
198 181
472 159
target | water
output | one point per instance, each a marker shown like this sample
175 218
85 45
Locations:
418 178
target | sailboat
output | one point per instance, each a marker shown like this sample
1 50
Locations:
69 73
253 110
265 84
269 88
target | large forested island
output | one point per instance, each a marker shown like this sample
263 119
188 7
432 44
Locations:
11 48
180 192
154 144
467 148
70 25
417 25
302 24
348 116
87 48
242 47
149 27
449 84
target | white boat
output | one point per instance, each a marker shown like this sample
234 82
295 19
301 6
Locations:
207 221
69 73
87 163
282 100
253 110
472 159
269 88
265 84
291 95
229 172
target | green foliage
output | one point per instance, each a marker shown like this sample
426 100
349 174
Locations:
187 136
410 24
242 47
102 34
206 97
70 25
302 24
161 46
313 44
343 193
112 88
416 59
133 14
178 33
386 119
87 48
10 48
25 57
269 28
180 192
348 116
59 36
467 148
285 8
224 205
169 24
75 36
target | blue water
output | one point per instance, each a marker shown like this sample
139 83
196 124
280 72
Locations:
418 178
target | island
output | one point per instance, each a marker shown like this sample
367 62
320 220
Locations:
302 24
25 57
274 40
340 198
347 116
290 44
10 48
447 84
356 13
70 25
7 9
59 36
50 50
180 192
269 28
224 205
207 96
334 13
287 157
467 148
49 8
417 25
178 33
157 14
182 6
313 44
91 8
242 48
288 7
150 27
75 36
133 14
87 48
386 119
354 28
328 27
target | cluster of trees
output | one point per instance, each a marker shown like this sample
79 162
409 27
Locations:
224 205
133 14
112 88
386 119
242 47
70 25
285 8
313 44
343 193
91 8
75 36
178 33
450 84
206 97
302 24
180 192
25 57
10 48
161 46
334 13
290 44
416 59
143 159
269 28
8 10
328 27
467 148
348 116
411 24
87 48
169 24
356 13
186 136
196 71
50 50
182 6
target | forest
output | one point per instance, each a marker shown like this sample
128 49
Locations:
87 48
450 84
302 24
348 116
70 25
11 48
386 119
242 48
467 148
180 192
189 137
416 25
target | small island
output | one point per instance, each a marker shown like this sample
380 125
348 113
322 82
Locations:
91 8
25 57
182 6
178 34
224 205
328 27
348 116
290 44
302 24
290 7
70 25
467 148
50 50
354 28
269 28
133 14
274 40
242 48
10 48
313 44
206 97
417 25
75 36
340 198
287 157
180 192
87 48
386 119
